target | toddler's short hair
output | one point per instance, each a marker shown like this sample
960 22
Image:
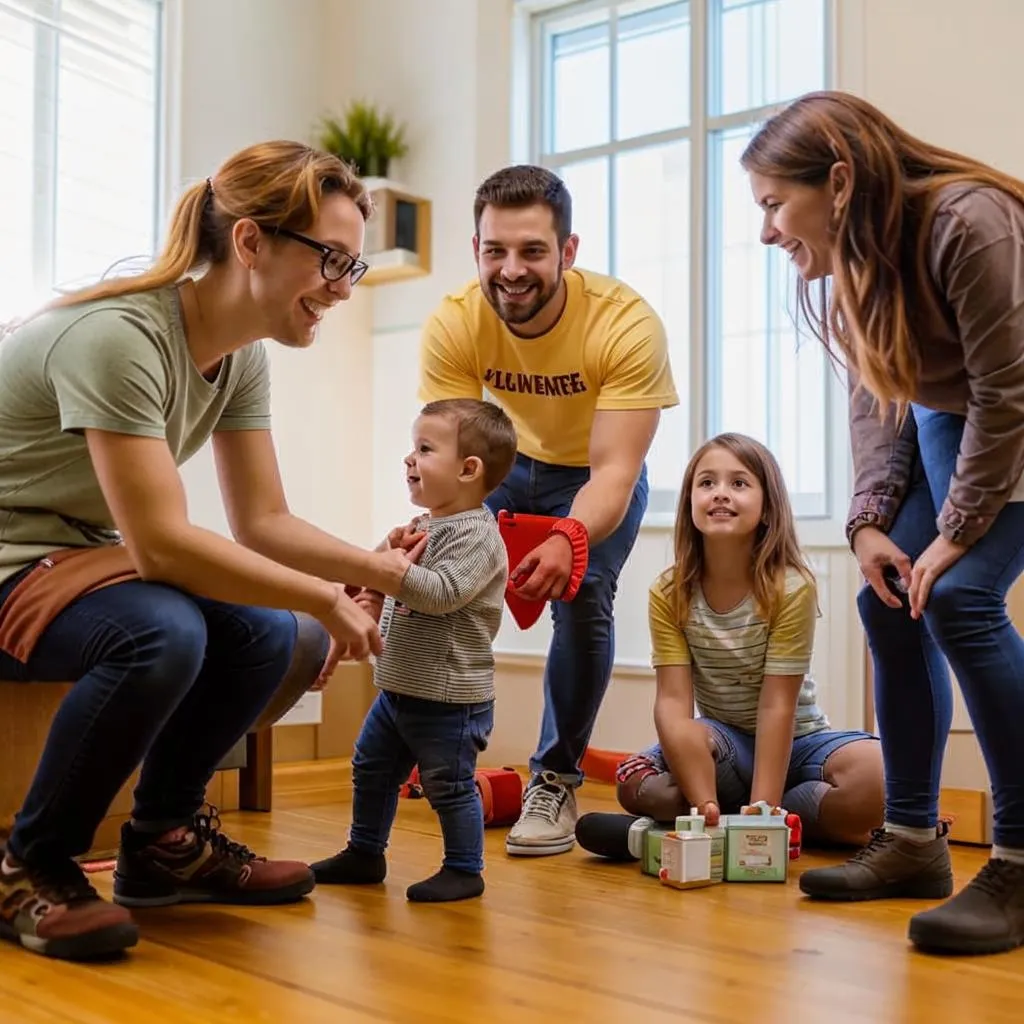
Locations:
485 431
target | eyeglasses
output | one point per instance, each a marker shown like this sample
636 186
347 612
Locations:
334 263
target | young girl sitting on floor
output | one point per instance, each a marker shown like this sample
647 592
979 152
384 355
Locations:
732 629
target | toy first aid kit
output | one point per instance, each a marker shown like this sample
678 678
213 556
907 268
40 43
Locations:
756 845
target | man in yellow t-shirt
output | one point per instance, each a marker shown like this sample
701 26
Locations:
580 363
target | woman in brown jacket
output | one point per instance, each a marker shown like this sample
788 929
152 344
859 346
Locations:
918 258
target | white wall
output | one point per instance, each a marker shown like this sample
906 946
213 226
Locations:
256 68
247 71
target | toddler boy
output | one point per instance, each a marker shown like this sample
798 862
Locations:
435 708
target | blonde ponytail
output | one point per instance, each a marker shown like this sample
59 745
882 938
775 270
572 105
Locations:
183 251
276 184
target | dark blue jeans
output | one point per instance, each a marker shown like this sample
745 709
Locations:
444 740
160 678
965 627
582 652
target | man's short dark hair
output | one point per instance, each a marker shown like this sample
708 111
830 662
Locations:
485 431
527 185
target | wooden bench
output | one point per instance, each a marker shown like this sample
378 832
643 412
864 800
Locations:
244 780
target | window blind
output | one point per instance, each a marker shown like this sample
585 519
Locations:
80 116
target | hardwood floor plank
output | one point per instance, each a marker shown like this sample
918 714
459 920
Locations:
569 938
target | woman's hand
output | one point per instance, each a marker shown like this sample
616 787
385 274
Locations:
404 537
372 602
934 561
392 565
875 553
354 635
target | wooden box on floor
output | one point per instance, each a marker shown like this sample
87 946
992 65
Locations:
244 781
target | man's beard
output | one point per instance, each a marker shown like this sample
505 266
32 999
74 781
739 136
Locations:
521 313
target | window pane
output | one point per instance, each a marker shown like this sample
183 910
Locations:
766 380
653 70
576 91
652 256
107 141
587 182
16 185
764 52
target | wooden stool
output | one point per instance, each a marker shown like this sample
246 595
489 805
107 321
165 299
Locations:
243 781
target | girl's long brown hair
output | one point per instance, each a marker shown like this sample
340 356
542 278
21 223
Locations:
276 184
776 547
881 237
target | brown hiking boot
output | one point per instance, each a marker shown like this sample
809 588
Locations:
889 867
56 912
199 864
986 916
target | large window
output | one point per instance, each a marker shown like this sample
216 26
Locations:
644 107
79 142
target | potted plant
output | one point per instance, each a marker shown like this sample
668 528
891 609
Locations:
364 137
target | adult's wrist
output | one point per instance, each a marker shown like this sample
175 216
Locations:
322 599
388 574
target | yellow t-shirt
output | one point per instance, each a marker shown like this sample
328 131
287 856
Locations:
607 351
731 652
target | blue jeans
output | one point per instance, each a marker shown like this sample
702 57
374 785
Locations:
444 740
160 677
964 627
734 767
579 664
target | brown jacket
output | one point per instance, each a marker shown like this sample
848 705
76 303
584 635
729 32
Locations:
972 359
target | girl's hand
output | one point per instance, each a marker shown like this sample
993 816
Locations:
934 561
875 553
711 811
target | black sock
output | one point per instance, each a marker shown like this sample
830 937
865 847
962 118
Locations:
350 867
447 884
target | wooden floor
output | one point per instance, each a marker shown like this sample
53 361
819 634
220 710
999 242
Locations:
553 939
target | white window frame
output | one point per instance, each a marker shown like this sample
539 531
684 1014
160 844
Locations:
46 103
531 18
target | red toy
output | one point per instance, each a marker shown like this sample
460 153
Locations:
521 533
796 830
500 789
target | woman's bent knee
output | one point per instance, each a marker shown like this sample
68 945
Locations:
165 634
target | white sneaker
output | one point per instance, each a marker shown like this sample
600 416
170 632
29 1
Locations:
547 824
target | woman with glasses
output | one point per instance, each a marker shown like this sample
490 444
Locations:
174 637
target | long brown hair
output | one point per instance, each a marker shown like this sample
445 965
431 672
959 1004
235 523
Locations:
276 184
776 547
882 231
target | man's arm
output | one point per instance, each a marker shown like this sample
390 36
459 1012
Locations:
619 442
259 517
637 386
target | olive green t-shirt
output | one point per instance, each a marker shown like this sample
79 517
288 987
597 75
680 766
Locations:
120 365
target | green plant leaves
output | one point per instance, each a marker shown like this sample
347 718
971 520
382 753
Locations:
364 137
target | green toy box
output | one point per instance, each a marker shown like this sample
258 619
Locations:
756 847
650 861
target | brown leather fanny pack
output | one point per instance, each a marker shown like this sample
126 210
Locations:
51 585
